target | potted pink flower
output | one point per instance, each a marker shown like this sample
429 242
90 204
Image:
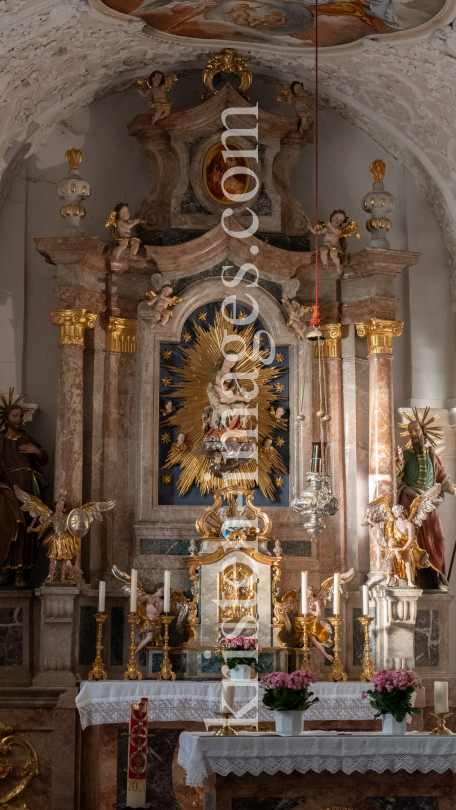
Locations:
289 697
391 697
241 663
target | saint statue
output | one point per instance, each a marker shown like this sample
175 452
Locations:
224 395
419 468
21 459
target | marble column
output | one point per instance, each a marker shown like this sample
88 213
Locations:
382 464
119 474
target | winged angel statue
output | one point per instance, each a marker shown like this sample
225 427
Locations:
67 530
320 630
397 540
150 608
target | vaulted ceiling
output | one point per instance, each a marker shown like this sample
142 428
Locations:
56 56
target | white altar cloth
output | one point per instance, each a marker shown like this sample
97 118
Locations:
110 701
201 754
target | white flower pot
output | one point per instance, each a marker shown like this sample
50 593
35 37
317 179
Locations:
289 724
392 727
240 673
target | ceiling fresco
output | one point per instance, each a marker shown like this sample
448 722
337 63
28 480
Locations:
289 22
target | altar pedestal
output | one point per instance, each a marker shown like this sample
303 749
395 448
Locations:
56 636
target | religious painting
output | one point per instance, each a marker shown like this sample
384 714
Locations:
214 168
340 22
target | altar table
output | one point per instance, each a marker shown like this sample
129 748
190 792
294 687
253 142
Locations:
202 755
110 701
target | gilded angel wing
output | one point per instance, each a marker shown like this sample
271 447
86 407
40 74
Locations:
94 509
123 577
284 96
176 300
351 229
327 587
143 82
422 505
170 79
180 603
32 505
378 511
288 604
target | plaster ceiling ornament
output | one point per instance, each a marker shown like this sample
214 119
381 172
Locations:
72 190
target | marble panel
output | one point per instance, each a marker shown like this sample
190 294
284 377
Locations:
175 658
209 664
263 204
161 747
358 637
402 803
11 637
296 244
190 203
192 146
272 287
266 662
293 548
427 637
173 236
87 635
266 803
117 635
209 801
178 548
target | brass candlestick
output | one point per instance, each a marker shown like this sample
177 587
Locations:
98 670
441 730
337 670
226 730
132 672
303 625
369 666
166 669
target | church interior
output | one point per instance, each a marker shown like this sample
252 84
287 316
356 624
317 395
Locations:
228 405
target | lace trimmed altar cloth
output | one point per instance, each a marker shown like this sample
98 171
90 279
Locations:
201 754
110 701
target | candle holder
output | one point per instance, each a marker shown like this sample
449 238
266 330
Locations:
369 666
302 623
337 670
441 730
98 671
132 672
166 669
226 730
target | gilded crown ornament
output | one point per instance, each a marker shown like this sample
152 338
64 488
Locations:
73 157
227 61
72 191
378 203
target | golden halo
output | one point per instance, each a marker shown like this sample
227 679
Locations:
430 434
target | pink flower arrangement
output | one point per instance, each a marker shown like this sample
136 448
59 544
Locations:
240 643
384 680
392 693
285 692
246 644
301 679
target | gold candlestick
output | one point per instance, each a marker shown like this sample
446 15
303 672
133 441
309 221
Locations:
441 730
303 625
132 672
166 669
369 666
337 670
225 730
98 670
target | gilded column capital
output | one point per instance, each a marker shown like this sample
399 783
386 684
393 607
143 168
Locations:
120 334
72 323
379 334
333 335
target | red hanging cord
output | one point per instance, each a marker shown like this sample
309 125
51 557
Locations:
316 320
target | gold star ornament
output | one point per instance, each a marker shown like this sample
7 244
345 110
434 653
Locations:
279 442
279 387
166 479
186 337
280 358
166 438
167 354
242 316
202 316
166 380
279 482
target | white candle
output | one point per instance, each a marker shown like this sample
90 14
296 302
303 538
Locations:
336 602
101 596
440 697
167 593
227 697
365 600
134 586
304 593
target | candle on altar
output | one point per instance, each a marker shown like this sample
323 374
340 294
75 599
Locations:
167 593
440 697
101 596
134 586
365 600
227 697
336 602
304 593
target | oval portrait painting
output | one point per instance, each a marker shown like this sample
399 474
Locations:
214 168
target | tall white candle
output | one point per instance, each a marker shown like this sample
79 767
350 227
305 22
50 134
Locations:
440 696
365 600
101 596
167 593
134 585
304 593
227 697
336 602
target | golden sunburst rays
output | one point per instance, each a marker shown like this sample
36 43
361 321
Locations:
198 363
431 433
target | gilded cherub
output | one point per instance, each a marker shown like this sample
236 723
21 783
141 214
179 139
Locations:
162 303
401 553
120 227
335 230
319 631
278 415
150 607
157 86
297 313
67 529
182 444
299 98
168 408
